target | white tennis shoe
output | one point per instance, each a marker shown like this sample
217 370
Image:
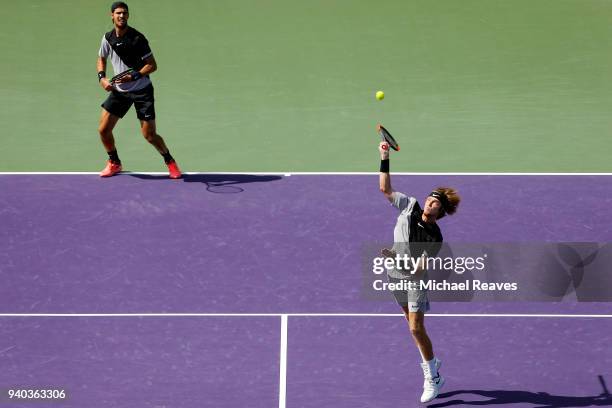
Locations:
438 365
431 386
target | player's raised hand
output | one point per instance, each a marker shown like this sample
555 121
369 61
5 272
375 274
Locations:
383 148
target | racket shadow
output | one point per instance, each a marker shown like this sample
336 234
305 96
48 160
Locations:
217 183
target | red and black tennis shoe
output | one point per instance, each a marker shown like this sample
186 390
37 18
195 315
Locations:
173 169
111 169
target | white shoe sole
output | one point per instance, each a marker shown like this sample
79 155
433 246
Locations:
440 385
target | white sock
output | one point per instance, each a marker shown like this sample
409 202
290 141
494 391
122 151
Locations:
432 367
422 356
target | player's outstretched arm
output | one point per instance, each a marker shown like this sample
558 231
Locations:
385 177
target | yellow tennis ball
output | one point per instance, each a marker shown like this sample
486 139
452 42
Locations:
380 95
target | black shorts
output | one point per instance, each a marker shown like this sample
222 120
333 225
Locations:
118 103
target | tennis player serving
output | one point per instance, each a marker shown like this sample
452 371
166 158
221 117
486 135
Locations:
417 235
133 62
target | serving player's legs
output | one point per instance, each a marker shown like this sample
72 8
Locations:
416 322
105 129
433 380
149 131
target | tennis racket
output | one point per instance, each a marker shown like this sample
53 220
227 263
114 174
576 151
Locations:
386 137
121 75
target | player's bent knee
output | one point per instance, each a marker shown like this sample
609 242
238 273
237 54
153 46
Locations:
150 137
105 131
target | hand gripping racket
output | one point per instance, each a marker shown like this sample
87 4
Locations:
386 137
120 75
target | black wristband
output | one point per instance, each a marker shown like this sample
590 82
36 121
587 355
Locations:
136 75
101 74
384 166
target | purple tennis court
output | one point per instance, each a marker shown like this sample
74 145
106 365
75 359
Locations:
144 291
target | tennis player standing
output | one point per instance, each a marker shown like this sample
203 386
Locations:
417 234
128 49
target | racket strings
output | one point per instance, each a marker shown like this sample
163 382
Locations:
386 136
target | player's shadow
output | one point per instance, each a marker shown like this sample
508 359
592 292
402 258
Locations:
537 399
217 183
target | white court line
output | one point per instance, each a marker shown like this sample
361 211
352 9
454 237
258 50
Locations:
282 386
307 173
300 315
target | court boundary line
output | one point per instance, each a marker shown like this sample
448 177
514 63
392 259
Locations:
282 385
306 173
287 315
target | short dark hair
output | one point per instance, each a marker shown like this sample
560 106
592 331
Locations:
119 4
